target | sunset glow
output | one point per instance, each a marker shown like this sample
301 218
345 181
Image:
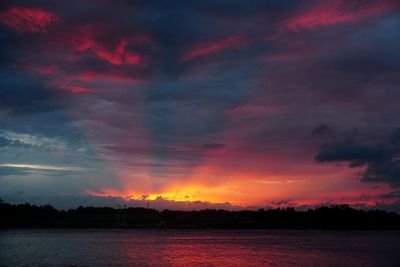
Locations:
227 105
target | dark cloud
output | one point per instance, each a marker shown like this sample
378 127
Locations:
392 195
322 129
21 94
6 142
382 161
348 150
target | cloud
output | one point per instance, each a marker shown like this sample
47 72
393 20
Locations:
382 161
325 13
211 47
22 19
322 129
21 170
72 88
87 39
9 138
348 150
4 142
41 167
15 98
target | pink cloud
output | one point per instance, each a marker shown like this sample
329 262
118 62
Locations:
70 87
211 47
89 76
27 19
77 42
47 69
118 56
85 42
75 89
327 13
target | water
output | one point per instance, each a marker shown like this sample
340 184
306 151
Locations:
166 247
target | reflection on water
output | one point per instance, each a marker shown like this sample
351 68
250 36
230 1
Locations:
166 247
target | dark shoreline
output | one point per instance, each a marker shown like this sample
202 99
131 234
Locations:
335 217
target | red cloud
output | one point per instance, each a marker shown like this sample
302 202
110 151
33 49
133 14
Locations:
110 76
339 11
74 89
69 86
27 19
117 55
206 48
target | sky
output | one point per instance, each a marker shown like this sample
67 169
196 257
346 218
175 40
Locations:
200 104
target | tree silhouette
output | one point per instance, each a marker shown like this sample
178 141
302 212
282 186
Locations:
326 217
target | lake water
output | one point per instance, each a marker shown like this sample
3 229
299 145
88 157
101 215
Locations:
167 247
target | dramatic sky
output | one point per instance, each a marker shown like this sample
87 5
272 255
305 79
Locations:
200 103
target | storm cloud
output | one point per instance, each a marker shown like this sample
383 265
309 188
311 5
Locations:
381 161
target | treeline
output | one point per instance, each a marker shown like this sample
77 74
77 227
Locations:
327 217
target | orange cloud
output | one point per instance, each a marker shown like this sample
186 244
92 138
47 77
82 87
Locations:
27 19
